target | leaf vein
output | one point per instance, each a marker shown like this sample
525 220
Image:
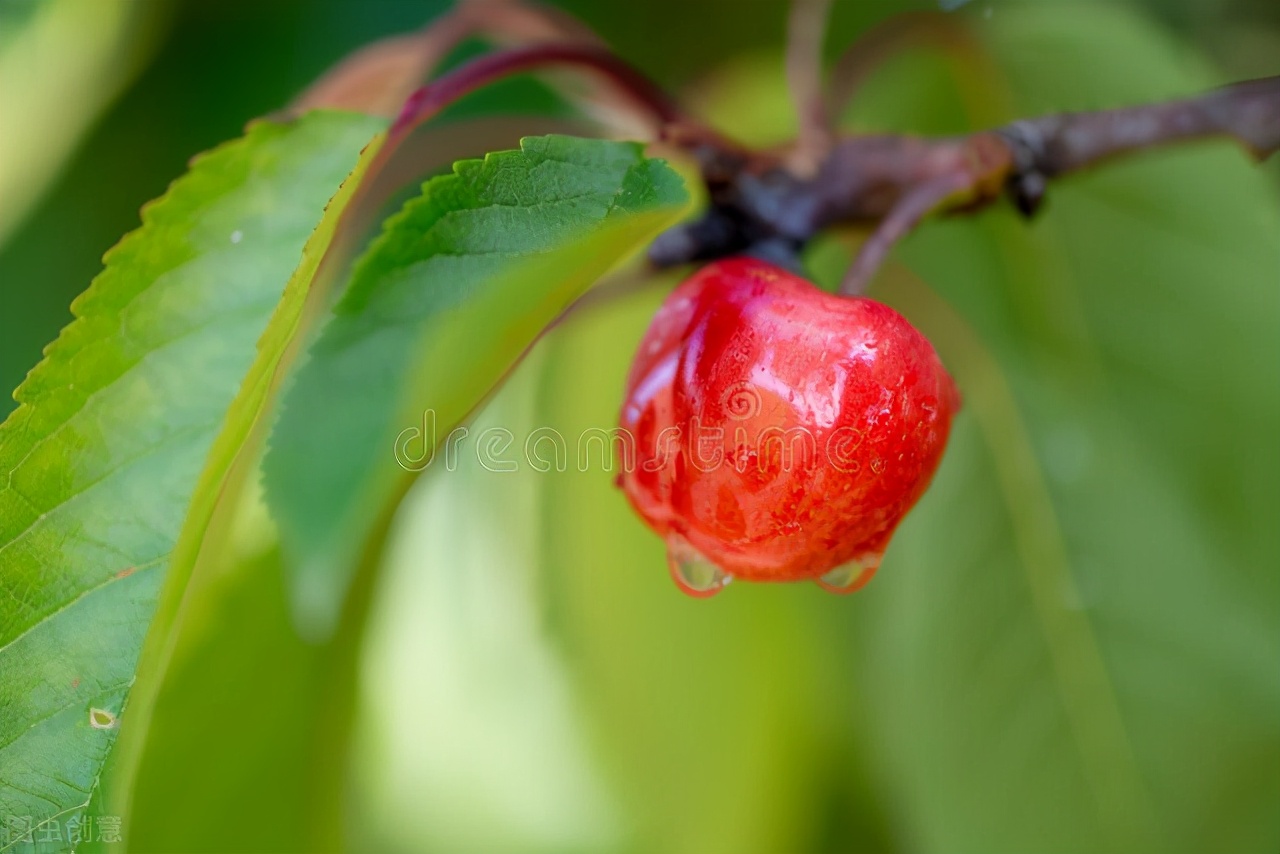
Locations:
79 598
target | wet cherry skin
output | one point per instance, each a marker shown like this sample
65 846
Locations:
781 432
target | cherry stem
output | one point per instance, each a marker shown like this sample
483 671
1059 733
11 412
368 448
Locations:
905 216
428 100
806 32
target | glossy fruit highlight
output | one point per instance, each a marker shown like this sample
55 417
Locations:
780 432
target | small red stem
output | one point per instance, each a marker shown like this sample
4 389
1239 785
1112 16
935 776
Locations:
439 93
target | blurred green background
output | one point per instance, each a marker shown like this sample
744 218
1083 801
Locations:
1074 642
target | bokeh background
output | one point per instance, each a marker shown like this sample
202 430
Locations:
1074 642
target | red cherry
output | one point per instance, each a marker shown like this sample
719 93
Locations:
781 432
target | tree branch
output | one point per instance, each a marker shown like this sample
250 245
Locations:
896 180
771 204
1053 145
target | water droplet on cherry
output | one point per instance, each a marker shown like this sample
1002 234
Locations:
692 572
850 576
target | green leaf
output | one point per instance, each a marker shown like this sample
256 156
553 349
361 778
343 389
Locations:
224 625
1073 644
103 455
460 283
264 714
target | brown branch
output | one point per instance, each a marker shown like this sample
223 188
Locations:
866 176
896 180
771 205
1249 112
